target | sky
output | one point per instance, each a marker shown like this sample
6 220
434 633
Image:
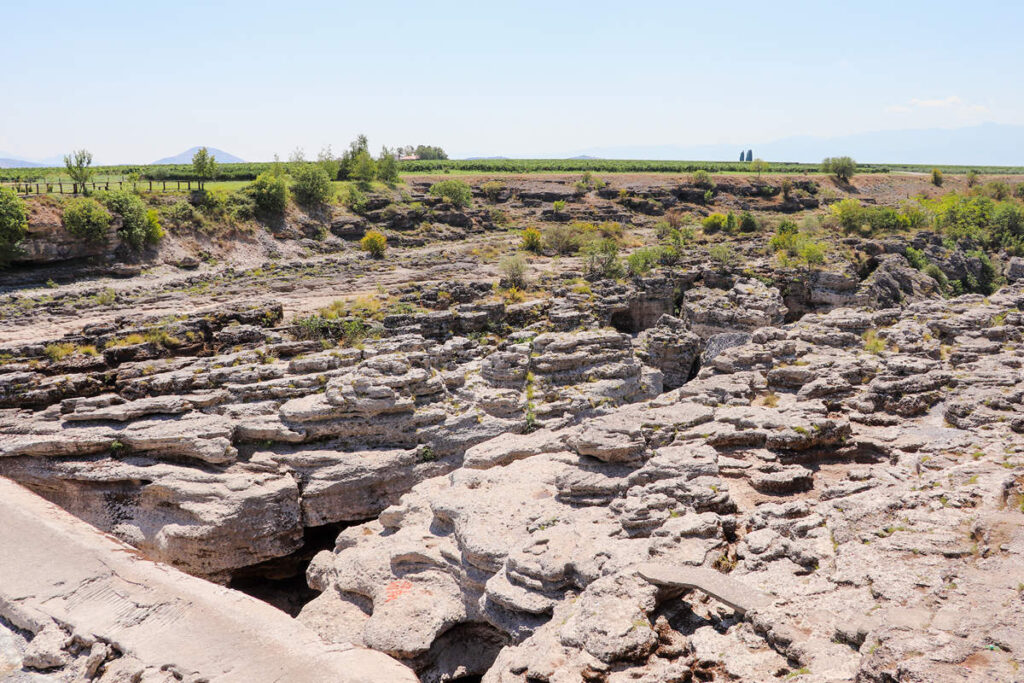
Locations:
136 81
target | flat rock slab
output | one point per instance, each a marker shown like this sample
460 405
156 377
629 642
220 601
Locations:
723 588
55 567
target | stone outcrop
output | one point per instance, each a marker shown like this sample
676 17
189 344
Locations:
83 606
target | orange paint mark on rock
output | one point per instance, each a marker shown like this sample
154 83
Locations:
396 589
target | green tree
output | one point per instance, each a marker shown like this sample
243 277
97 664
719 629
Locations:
328 162
843 168
13 223
311 185
204 166
387 167
87 219
758 166
78 167
356 148
364 170
429 152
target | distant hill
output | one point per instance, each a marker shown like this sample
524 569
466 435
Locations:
13 162
186 157
987 144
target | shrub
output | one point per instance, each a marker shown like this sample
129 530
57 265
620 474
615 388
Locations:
787 188
677 239
88 220
354 199
513 272
935 273
723 255
241 205
642 260
913 215
562 239
454 192
812 253
849 213
962 217
996 189
916 258
843 168
937 177
702 178
972 178
374 243
492 189
601 260
180 214
13 223
1018 191
270 193
747 222
211 202
139 226
1007 226
715 223
558 205
785 237
988 278
791 243
311 185
531 240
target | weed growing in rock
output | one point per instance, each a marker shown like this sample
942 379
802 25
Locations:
513 272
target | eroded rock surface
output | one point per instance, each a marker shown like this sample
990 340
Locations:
855 487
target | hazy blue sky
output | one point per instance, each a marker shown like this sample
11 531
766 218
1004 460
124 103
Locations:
134 81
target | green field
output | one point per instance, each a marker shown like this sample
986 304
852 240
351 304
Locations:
234 175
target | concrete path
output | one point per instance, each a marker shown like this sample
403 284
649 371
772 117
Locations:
55 567
722 587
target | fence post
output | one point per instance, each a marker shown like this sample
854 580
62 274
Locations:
61 184
150 185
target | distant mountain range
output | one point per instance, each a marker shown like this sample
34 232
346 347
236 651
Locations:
8 160
987 144
185 157
13 162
